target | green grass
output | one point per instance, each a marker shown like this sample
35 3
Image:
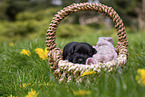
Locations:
17 69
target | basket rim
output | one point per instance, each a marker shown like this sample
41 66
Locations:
75 7
71 69
55 53
121 59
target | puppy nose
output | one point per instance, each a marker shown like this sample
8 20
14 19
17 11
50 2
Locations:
80 61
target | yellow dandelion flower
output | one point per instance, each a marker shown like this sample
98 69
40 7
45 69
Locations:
88 73
141 76
11 96
44 84
24 85
48 84
28 84
32 93
81 92
42 53
11 44
40 84
25 52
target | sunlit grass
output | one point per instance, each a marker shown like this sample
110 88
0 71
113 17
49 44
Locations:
22 74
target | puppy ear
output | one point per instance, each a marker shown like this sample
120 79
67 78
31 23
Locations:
72 51
94 51
110 40
107 38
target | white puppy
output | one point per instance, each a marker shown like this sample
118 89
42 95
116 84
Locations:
105 51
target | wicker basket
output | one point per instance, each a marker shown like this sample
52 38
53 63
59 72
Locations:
66 71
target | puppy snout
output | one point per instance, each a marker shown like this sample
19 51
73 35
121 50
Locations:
80 61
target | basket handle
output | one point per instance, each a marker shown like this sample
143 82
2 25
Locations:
108 11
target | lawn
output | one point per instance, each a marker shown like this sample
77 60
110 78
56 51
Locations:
29 74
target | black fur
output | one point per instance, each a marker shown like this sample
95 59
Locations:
78 52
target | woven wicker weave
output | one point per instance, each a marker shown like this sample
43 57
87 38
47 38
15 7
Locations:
65 71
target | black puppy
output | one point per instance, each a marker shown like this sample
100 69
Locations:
78 52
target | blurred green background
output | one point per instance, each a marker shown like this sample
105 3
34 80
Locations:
28 19
23 25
